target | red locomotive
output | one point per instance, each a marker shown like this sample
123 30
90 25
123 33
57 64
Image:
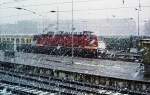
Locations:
84 43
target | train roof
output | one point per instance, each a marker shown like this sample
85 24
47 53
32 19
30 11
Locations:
68 33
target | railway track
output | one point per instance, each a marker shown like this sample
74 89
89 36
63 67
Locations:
56 85
11 89
28 75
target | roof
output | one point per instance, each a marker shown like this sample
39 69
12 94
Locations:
15 36
145 41
148 39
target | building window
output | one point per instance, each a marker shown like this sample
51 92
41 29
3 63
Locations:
12 39
27 41
17 40
3 39
22 40
8 39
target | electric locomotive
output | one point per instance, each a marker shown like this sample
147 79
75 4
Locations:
83 44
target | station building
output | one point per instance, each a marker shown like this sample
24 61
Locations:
10 42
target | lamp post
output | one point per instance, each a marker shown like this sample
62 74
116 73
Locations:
19 8
138 9
57 18
72 49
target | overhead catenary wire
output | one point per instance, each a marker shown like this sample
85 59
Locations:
76 11
54 3
88 10
77 2
11 2
4 3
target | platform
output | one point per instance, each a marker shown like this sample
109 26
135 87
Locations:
106 68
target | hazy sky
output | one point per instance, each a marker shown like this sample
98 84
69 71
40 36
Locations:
83 9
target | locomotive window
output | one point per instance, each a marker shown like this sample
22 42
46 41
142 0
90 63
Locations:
50 33
91 37
80 33
75 33
66 33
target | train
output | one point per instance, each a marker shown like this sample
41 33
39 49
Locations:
85 44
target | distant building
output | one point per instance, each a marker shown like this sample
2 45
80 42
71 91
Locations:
145 44
10 42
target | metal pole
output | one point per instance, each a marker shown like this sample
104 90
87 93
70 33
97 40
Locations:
138 23
43 24
72 50
57 19
139 18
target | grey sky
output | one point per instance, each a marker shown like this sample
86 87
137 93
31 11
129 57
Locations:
84 9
